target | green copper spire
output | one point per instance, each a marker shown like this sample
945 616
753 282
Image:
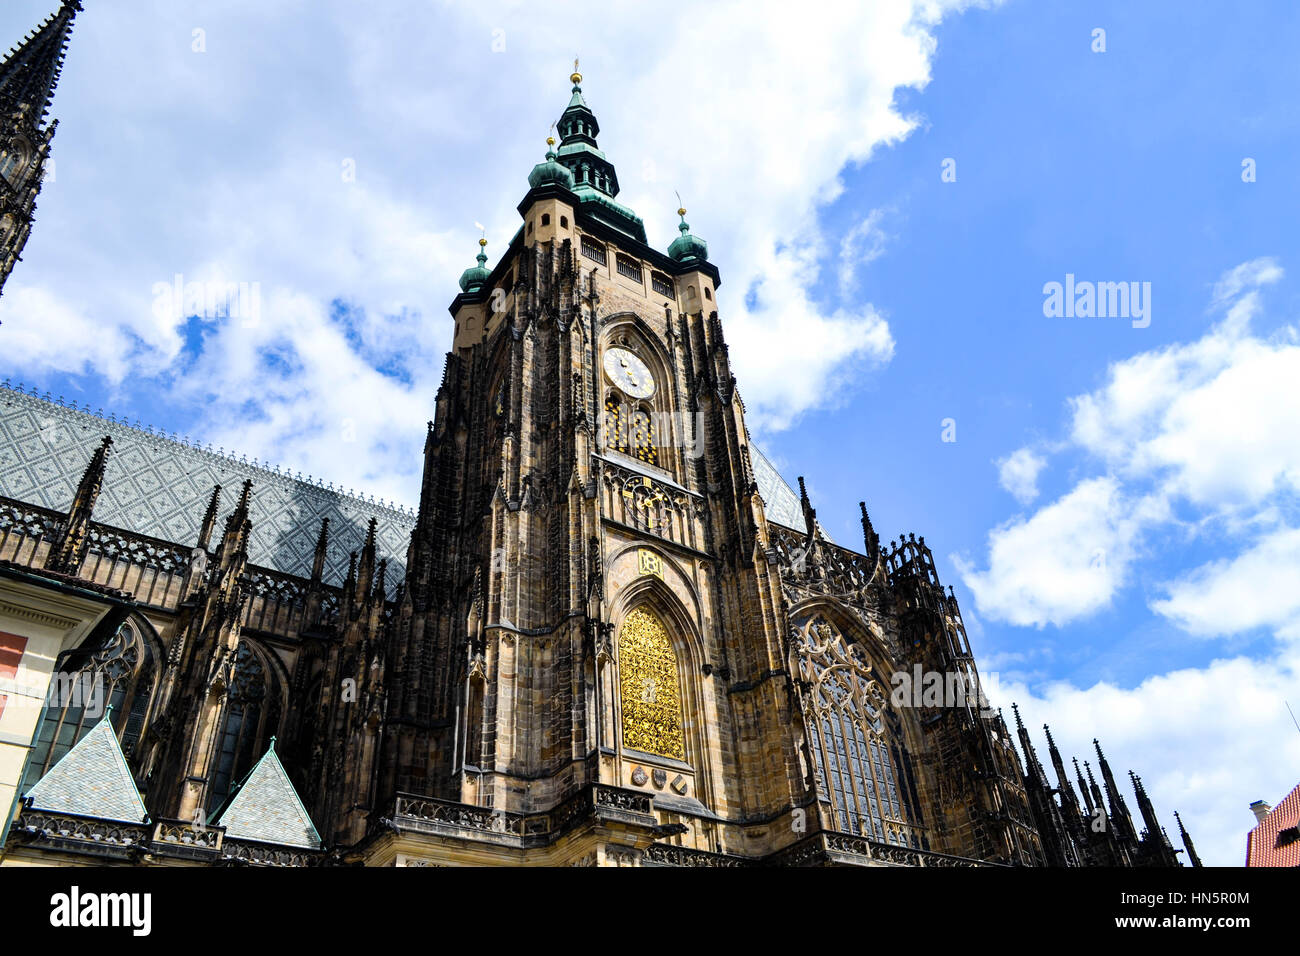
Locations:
686 247
474 278
595 182
578 151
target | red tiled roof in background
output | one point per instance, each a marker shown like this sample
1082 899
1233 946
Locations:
1262 843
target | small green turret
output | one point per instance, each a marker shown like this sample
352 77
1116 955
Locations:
475 277
686 247
550 171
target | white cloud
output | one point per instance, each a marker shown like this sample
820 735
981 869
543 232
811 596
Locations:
1018 474
862 244
1246 277
1258 588
1202 433
42 331
211 178
1061 563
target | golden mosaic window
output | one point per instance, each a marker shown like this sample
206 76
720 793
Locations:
861 763
615 429
643 437
652 703
630 429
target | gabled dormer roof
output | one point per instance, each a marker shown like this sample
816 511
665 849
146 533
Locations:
91 780
266 808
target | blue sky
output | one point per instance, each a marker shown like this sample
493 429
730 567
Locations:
1118 512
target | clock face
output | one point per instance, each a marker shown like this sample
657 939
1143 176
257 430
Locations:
629 373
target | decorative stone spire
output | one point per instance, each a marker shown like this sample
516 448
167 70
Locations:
1033 768
1083 788
1119 815
322 544
1097 802
240 514
209 519
350 582
30 73
1158 844
870 540
809 512
366 567
1066 789
69 549
1187 842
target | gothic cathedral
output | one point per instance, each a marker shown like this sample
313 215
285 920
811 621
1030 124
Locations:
609 635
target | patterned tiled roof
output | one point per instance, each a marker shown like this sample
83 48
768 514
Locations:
92 780
1275 841
267 808
160 486
780 503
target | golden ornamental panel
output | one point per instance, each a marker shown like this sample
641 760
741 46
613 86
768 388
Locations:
652 703
649 563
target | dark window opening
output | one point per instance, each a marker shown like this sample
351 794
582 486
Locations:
594 250
630 268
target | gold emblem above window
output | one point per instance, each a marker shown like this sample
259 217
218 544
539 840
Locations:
649 563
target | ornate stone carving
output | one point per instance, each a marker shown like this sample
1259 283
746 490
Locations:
815 566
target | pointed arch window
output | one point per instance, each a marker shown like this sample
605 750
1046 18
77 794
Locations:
118 671
649 687
862 767
251 718
12 161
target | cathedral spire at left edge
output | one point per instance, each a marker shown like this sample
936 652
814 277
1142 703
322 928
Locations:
29 76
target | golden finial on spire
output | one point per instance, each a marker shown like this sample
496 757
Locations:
681 207
575 77
483 242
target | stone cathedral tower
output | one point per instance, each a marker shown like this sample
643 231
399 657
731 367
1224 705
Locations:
601 620
28 77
